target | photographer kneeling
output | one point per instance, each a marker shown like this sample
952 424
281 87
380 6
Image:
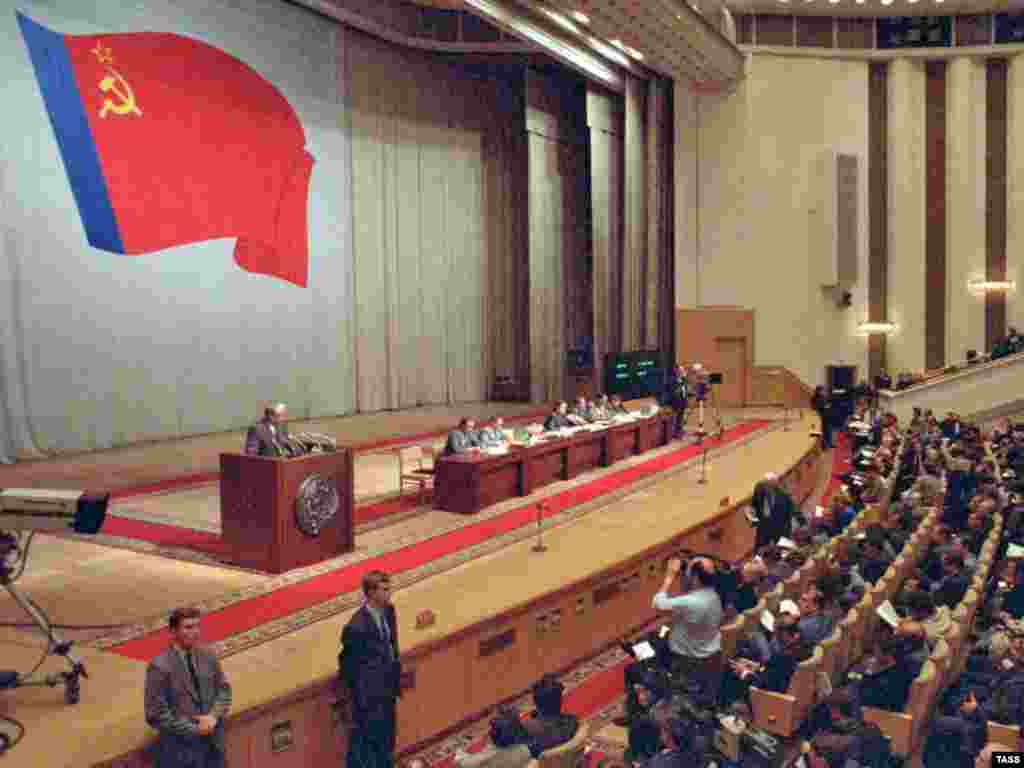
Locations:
693 648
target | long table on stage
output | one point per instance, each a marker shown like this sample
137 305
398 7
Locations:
468 482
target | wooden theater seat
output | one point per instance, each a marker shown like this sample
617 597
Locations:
783 713
906 729
1000 733
731 634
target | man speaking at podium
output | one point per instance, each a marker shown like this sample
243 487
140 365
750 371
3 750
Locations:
269 435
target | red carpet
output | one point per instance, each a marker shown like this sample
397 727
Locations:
253 612
202 478
841 464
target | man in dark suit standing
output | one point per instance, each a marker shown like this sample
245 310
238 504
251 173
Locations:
773 510
186 699
370 668
269 435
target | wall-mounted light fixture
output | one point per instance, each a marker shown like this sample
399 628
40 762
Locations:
991 285
870 328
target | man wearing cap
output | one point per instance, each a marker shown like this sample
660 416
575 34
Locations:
773 511
764 642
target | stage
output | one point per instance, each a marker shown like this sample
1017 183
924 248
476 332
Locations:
278 636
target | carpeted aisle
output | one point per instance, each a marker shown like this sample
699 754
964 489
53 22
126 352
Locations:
247 614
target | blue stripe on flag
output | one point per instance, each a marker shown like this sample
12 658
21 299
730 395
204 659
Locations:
57 82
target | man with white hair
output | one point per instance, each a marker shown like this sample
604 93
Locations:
773 511
269 435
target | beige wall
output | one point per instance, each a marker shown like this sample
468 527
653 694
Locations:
965 206
744 214
1015 189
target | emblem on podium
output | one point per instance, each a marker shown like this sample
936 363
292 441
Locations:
316 504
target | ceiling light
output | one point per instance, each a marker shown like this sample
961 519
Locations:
869 328
886 2
608 52
833 1
582 18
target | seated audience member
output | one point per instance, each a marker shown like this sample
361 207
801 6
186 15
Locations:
644 740
462 438
777 570
558 418
826 522
509 745
1012 603
752 575
493 436
761 644
886 684
842 737
873 562
549 727
924 620
581 413
774 675
816 620
951 588
1000 698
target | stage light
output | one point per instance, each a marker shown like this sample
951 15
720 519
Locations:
36 509
870 328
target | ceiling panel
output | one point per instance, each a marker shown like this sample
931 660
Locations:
876 7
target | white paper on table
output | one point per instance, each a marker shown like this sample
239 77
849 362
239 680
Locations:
888 614
643 651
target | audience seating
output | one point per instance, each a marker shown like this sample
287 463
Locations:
906 729
731 634
782 714
1010 735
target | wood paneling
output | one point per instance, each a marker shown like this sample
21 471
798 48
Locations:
973 30
773 30
698 332
855 33
935 215
775 385
995 195
878 210
814 32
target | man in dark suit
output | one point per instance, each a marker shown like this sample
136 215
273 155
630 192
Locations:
550 727
677 396
186 699
773 510
269 435
462 438
558 418
370 668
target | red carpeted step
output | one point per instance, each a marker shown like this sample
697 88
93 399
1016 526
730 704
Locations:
247 614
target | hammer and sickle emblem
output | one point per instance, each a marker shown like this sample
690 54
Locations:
114 83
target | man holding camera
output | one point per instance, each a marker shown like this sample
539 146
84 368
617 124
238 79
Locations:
693 647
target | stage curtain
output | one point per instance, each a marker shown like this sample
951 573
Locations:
604 119
420 243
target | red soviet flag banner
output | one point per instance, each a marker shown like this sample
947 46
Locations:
168 140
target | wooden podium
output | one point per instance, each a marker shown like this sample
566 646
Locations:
275 512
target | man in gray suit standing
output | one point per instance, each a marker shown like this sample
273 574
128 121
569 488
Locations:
187 697
269 435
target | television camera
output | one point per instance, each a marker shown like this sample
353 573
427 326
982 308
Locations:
23 512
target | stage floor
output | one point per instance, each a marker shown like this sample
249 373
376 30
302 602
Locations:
78 582
154 462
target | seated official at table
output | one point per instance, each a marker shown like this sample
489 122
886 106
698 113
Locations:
558 418
581 413
462 438
600 409
269 435
493 436
616 407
